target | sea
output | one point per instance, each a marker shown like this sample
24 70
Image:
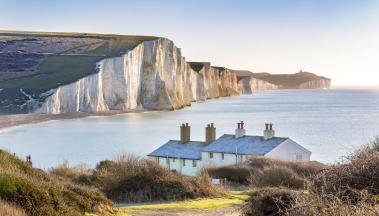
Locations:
331 123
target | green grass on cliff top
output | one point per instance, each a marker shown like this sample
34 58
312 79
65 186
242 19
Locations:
60 69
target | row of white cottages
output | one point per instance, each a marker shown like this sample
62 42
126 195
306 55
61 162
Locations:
189 157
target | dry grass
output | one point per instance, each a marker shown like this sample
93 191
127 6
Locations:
42 194
131 179
265 172
9 209
277 176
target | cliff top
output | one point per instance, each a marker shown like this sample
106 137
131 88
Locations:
288 80
39 61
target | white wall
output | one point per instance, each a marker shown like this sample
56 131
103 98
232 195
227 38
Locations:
177 164
217 159
290 150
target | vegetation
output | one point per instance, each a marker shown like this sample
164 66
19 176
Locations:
349 188
235 198
69 57
265 172
131 179
41 194
9 209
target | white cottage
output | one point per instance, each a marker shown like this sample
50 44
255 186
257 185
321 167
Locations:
189 157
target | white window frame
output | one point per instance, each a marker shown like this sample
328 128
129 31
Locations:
194 163
222 156
210 155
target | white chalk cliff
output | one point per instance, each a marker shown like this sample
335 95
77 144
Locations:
248 85
314 84
154 75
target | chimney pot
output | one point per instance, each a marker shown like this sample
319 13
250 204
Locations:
240 131
185 133
269 132
210 133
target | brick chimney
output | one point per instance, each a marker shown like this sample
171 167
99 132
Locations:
210 133
185 133
268 132
240 131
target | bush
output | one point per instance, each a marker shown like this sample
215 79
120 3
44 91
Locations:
9 209
268 201
131 179
350 188
80 174
360 172
42 194
256 165
236 174
277 176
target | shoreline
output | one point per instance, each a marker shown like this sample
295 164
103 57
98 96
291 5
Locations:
15 120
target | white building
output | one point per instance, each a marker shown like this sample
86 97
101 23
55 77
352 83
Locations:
189 157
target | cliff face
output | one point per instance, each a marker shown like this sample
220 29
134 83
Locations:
248 85
314 84
154 75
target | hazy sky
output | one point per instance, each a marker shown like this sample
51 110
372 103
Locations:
334 38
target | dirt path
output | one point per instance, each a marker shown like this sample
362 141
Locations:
230 211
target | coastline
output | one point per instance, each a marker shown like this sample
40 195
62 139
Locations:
15 120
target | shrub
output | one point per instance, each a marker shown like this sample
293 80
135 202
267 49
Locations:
310 203
360 172
268 201
236 174
42 194
350 188
80 174
131 179
277 176
256 165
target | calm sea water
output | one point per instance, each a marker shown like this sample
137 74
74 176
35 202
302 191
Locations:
330 123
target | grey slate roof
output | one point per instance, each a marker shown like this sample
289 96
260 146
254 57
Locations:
175 149
245 145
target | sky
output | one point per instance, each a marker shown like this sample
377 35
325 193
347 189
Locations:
338 39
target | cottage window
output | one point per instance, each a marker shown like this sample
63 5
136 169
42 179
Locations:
194 163
222 156
167 161
184 162
299 157
210 155
173 160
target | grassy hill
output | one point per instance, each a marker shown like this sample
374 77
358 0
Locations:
37 62
39 193
288 80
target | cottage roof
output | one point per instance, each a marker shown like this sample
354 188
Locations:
256 145
176 149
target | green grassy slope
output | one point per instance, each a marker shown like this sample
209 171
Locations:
57 68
